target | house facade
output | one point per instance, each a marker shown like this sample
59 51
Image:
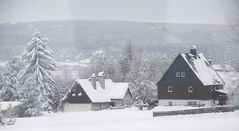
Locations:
190 80
96 93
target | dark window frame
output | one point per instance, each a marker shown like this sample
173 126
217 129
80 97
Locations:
183 74
170 89
178 74
190 89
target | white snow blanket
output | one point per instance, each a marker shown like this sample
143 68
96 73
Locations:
127 120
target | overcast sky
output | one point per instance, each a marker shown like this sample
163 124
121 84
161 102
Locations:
175 11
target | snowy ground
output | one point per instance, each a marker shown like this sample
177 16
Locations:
127 119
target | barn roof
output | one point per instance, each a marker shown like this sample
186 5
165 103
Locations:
202 69
111 91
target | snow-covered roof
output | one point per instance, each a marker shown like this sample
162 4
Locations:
93 75
194 47
112 90
219 67
95 95
223 91
117 91
101 74
203 69
9 104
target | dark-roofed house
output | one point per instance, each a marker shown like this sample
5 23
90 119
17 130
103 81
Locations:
96 93
190 80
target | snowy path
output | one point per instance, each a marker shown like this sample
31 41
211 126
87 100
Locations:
123 120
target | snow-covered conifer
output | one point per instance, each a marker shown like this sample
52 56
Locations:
127 58
35 77
98 61
10 84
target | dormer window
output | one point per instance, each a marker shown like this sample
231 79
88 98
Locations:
170 89
73 94
190 89
177 74
182 74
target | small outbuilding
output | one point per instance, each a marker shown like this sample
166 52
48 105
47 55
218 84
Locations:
96 93
191 80
10 108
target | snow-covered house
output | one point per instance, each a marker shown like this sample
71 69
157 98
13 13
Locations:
190 80
96 93
10 108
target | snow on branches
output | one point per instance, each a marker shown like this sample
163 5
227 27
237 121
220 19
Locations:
35 77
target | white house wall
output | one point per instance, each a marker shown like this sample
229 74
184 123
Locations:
117 102
99 106
165 102
70 107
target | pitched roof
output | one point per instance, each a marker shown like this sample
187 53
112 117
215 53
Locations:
95 95
112 90
202 69
117 91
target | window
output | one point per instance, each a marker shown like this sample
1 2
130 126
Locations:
80 94
170 89
177 74
73 94
194 103
182 74
170 103
190 89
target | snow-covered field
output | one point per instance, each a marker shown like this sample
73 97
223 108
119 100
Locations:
127 119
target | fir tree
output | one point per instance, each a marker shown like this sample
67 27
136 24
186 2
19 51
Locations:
98 61
10 82
126 60
35 77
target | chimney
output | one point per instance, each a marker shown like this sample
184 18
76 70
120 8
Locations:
101 78
193 51
93 80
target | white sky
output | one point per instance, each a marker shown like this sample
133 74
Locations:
175 11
